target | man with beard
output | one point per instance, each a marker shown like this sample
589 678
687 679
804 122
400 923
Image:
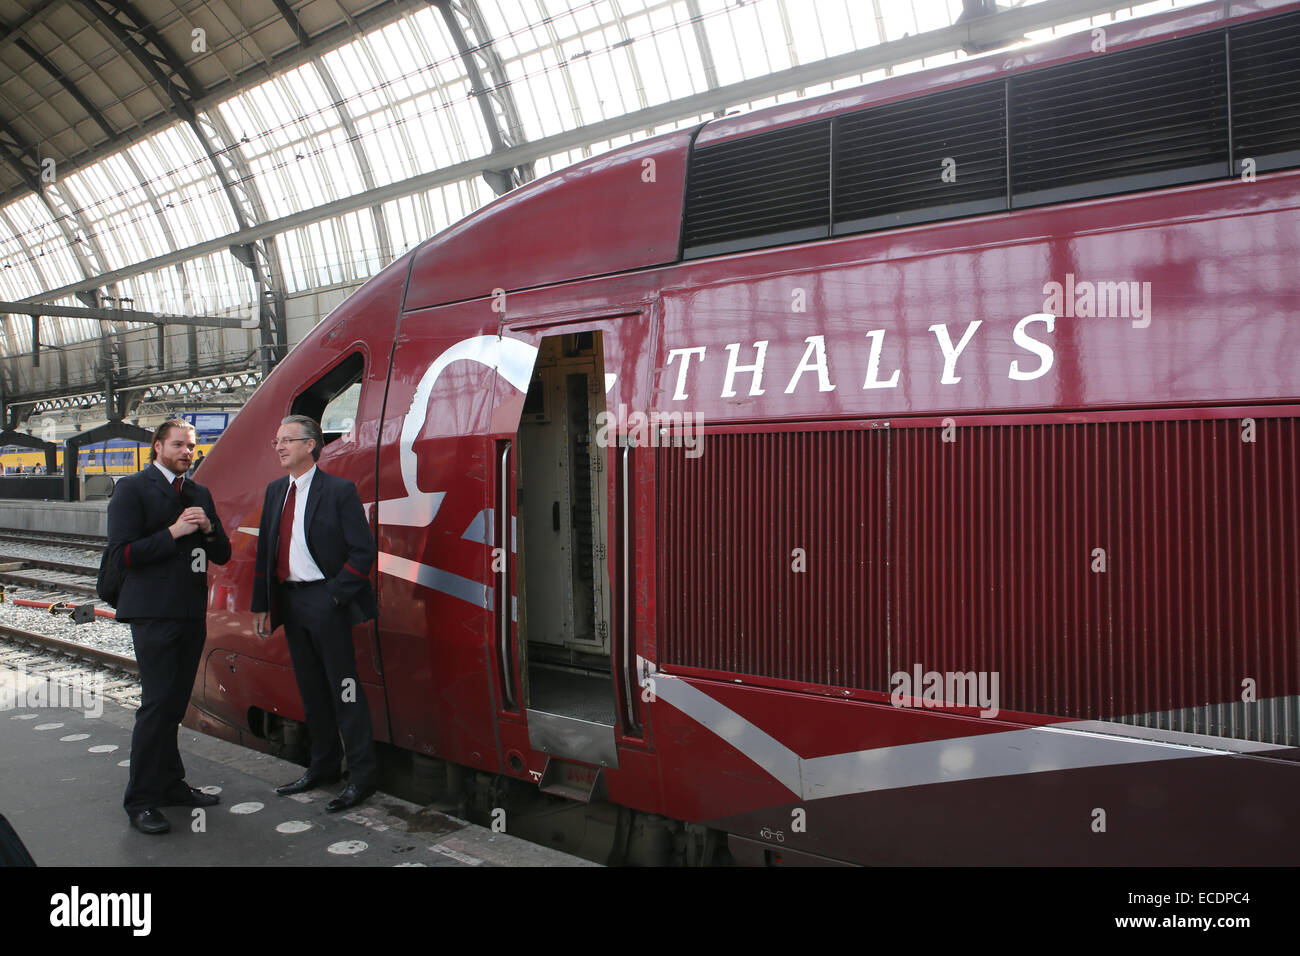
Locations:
168 531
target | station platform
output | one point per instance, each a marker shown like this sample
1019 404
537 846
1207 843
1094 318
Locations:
64 517
65 770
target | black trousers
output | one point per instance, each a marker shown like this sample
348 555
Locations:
325 665
167 651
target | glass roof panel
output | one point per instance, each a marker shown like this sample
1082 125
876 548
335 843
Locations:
158 292
45 240
341 250
116 209
413 219
220 283
293 138
19 276
736 41
181 177
70 329
411 119
208 285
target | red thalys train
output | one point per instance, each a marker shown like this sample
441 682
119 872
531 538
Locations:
902 475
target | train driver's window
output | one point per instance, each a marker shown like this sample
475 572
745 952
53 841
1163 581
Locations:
332 399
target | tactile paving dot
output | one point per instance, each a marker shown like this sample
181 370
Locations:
251 807
124 763
72 737
24 716
211 788
293 826
103 749
347 847
411 864
48 726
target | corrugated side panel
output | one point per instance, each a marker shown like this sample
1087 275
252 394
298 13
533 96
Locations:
729 524
986 553
1000 539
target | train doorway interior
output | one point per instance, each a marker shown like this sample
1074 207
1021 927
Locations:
563 578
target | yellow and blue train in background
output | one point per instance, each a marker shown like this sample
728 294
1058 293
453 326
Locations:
117 456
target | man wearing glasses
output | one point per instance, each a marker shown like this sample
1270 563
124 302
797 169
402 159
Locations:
314 554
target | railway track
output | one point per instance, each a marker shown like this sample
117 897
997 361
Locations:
58 579
68 567
56 538
58 646
55 585
54 567
54 659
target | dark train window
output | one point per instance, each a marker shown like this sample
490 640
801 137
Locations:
332 399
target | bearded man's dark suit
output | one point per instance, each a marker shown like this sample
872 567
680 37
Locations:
318 618
165 599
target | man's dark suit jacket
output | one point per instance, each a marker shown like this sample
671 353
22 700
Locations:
160 578
338 537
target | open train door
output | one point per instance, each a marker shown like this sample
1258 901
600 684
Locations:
565 598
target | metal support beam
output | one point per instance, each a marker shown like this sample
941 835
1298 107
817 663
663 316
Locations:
59 77
22 157
972 10
81 241
1009 24
84 246
120 315
236 178
10 435
32 258
36 15
147 388
352 134
19 154
256 73
702 44
359 153
291 18
490 86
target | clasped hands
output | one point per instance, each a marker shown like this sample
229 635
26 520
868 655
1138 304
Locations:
192 519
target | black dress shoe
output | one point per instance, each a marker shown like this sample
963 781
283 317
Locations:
349 797
149 820
193 798
307 781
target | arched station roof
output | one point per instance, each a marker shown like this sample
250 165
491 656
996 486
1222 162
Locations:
216 156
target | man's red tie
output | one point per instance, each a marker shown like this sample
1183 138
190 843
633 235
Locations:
286 534
176 484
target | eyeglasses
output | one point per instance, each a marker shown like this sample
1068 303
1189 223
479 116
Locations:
277 442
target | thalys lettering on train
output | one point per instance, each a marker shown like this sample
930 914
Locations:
658 653
815 361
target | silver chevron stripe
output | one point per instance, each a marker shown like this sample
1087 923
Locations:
475 593
1036 750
